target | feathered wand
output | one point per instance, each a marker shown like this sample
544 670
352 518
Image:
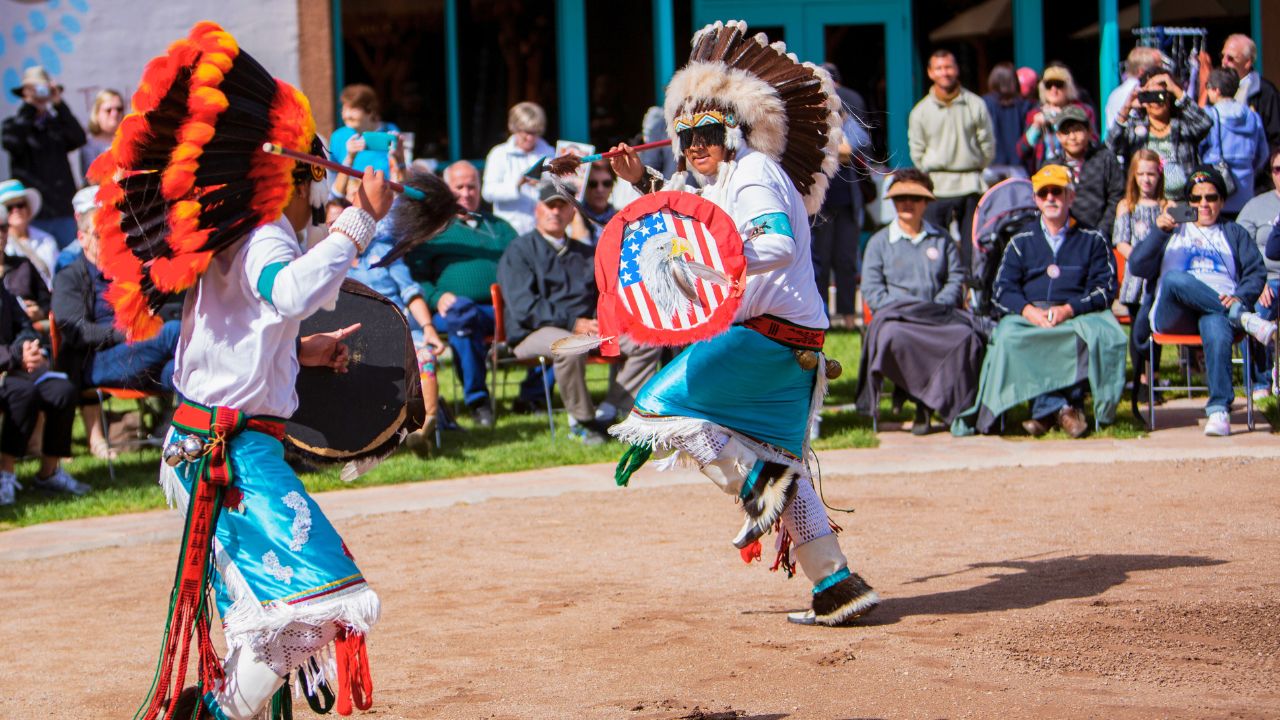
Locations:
413 223
567 163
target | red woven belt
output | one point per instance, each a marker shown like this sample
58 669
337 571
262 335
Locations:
787 333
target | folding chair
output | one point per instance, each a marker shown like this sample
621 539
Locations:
1121 266
501 356
1191 341
101 393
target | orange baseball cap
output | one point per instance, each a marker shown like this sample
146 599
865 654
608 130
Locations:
1051 176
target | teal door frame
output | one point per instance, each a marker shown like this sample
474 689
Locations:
805 21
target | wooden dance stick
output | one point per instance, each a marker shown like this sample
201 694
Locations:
409 192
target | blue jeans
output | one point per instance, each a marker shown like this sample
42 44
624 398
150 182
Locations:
1188 306
1045 406
146 365
469 351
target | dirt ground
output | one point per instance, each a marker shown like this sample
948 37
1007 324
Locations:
1116 591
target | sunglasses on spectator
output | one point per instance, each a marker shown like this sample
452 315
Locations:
1275 170
1051 191
1210 197
19 205
113 109
593 184
1054 85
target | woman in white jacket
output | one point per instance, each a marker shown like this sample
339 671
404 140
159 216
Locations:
505 185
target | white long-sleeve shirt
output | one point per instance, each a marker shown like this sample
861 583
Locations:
237 346
504 169
756 192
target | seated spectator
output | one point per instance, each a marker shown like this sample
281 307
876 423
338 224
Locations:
22 203
1258 217
1207 276
1174 126
93 352
395 283
1059 338
913 282
1095 172
596 200
513 195
29 388
1038 145
1136 214
1237 138
548 284
454 272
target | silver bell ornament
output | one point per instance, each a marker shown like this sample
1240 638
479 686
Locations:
192 448
173 456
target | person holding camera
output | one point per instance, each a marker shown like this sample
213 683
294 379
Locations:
1208 273
38 139
1161 117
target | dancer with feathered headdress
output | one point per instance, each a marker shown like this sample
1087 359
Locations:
191 203
758 131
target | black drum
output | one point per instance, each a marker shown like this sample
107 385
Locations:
364 412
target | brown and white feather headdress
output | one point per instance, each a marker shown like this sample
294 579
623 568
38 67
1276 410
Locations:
786 109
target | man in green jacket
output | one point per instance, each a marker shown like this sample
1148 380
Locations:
950 137
455 271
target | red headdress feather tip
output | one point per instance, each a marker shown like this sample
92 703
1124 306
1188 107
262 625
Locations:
102 169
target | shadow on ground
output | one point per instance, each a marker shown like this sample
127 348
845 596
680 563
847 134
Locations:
1030 584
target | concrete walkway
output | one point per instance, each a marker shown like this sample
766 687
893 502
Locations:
1179 438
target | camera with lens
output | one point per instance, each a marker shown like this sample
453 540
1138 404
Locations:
1153 97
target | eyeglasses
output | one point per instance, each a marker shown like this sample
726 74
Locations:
19 205
1051 191
593 184
1209 198
1054 85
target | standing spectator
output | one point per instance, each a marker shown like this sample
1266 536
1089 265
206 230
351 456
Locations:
513 195
1207 274
1239 53
455 271
1237 138
26 393
104 118
1174 127
1140 59
1136 214
24 239
1008 110
38 140
1095 172
837 228
1028 80
1258 218
359 116
949 133
548 283
1038 145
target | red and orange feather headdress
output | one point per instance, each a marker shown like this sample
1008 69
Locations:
185 177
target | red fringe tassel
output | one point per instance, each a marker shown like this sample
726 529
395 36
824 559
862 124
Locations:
355 682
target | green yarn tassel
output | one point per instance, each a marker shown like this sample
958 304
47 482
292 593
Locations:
631 461
282 703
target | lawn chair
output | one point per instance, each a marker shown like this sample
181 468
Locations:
1189 341
501 356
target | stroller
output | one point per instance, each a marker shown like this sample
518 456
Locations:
1006 209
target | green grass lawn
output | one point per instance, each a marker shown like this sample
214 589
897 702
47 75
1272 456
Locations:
518 442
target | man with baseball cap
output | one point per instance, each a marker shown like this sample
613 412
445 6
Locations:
1095 172
549 289
1056 283
38 139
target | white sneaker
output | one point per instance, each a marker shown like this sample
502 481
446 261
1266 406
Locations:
1218 425
606 413
61 481
9 487
1264 331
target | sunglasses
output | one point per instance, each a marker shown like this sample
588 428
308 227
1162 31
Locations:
19 205
113 109
1275 170
1054 85
1051 191
1210 197
593 184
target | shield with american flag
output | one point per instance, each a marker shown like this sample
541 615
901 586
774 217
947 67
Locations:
669 268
